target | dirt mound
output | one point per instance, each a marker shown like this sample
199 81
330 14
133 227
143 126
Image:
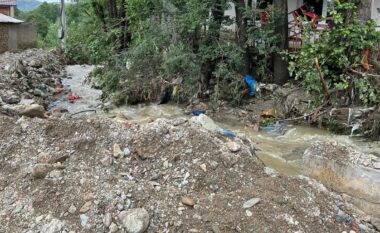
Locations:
95 175
30 76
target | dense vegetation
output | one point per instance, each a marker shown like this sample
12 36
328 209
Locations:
187 48
343 53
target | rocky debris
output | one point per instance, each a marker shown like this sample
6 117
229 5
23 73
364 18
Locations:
117 151
135 220
344 153
72 209
188 201
54 226
86 207
376 223
31 74
206 122
39 171
32 111
233 146
251 202
170 171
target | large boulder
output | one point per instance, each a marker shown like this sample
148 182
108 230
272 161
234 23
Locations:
135 220
32 111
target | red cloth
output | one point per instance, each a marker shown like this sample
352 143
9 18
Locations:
312 15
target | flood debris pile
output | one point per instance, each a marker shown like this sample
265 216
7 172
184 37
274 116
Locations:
344 154
95 175
347 170
33 76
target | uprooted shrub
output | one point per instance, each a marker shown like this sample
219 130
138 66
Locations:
342 54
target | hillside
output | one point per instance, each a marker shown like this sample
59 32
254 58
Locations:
28 5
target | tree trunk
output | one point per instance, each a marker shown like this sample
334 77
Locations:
241 34
212 37
112 8
125 37
280 70
365 10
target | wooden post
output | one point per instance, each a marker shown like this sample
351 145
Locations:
62 33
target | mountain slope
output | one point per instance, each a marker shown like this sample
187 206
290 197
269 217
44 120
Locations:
28 5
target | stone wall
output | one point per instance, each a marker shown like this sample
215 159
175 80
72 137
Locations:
4 37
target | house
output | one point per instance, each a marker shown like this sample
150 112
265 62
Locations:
14 34
7 7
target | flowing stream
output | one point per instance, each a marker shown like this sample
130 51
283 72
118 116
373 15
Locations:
282 153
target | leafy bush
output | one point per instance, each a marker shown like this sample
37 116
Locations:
340 53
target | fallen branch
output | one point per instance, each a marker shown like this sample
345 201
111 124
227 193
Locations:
323 81
90 110
364 74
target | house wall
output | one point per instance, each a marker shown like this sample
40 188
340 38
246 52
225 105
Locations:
5 10
12 33
4 38
375 14
26 34
15 37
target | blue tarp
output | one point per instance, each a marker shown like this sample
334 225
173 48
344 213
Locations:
251 82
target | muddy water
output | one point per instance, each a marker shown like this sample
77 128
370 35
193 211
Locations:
282 153
76 82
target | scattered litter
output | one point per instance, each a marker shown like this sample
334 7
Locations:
226 132
72 98
198 112
251 82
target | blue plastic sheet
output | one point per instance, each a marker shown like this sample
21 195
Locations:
251 82
227 132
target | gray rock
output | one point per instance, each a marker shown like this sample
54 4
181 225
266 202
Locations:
107 219
35 63
376 223
120 207
135 220
113 228
106 161
250 203
233 146
206 122
56 174
12 99
179 121
376 165
126 152
72 209
270 172
215 229
39 93
32 111
54 226
18 208
84 221
213 164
